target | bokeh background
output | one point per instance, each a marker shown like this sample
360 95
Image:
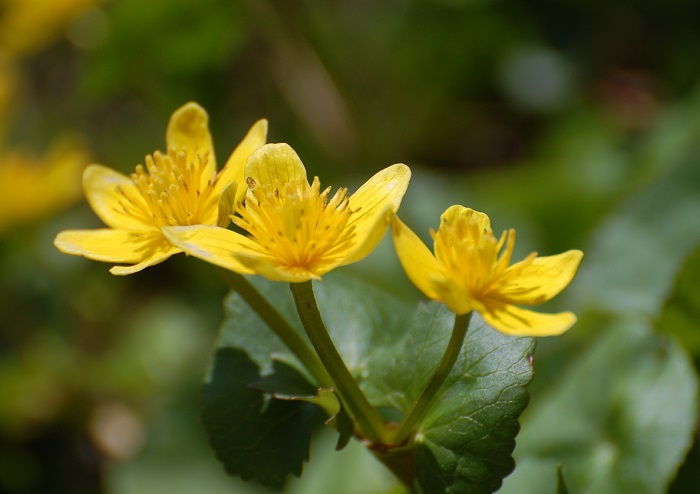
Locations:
577 123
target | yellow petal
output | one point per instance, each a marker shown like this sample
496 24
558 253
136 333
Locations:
262 267
159 254
188 131
418 262
460 213
227 204
515 321
117 246
235 166
275 164
109 192
385 189
534 282
370 236
212 244
456 298
373 204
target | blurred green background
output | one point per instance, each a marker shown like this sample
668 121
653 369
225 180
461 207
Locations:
577 123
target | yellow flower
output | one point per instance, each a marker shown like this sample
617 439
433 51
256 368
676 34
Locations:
181 187
27 26
33 186
467 273
296 232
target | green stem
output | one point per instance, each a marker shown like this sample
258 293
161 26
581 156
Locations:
425 400
289 336
401 461
347 388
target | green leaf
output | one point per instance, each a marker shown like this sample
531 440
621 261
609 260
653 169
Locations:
345 426
470 434
236 416
242 328
286 383
466 441
682 310
254 436
637 252
619 420
361 318
400 371
679 318
618 410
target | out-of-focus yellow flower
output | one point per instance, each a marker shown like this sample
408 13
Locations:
296 232
27 26
467 273
32 187
181 187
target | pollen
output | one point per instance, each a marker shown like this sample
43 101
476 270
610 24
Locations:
173 191
297 227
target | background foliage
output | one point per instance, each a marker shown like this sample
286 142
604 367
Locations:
574 122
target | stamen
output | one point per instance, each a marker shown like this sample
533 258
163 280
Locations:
470 250
164 185
295 226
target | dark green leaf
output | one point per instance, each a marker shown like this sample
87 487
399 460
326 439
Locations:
237 417
254 436
470 434
285 381
343 423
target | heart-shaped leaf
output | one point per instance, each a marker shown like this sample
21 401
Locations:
464 443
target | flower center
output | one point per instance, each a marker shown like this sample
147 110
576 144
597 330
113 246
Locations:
470 252
297 227
174 191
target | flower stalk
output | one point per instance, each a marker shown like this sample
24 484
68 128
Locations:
372 425
425 400
293 340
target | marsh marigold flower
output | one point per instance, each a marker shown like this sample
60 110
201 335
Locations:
180 187
33 187
467 273
293 230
